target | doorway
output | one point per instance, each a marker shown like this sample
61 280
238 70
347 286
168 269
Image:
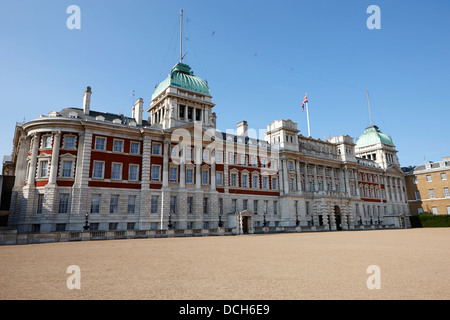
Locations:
245 225
337 218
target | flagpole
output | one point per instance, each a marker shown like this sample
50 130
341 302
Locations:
307 116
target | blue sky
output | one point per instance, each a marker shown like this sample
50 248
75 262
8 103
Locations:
259 58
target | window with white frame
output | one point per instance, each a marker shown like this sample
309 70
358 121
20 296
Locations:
255 206
219 178
255 182
205 205
133 174
173 204
274 183
448 209
100 143
415 181
47 142
173 174
156 173
431 193
233 180
190 203
443 176
244 181
417 194
265 183
67 166
118 145
190 176
434 210
156 148
429 178
69 142
116 171
43 170
419 210
134 147
40 203
205 177
446 192
98 172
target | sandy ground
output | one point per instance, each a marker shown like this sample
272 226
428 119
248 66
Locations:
414 264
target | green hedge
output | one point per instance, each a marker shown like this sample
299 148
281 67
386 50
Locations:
430 221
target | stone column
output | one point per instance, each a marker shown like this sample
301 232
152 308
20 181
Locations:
316 184
285 176
299 177
55 158
34 152
198 168
165 172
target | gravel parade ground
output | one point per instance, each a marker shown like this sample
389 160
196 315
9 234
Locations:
413 264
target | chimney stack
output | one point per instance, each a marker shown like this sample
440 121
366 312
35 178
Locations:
242 128
87 100
137 110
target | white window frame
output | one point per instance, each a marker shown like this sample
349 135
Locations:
97 139
114 164
205 177
138 147
173 179
103 169
44 141
159 173
191 177
97 205
443 176
40 168
219 178
137 172
64 170
122 143
74 141
154 144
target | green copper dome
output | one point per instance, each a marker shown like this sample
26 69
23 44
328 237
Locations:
373 135
182 76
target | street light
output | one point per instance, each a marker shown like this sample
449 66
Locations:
86 224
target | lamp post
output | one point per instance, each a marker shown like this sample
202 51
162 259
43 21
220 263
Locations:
86 223
170 222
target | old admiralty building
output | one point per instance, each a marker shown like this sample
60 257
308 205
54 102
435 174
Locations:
174 171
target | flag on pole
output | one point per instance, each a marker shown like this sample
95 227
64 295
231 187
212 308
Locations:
305 100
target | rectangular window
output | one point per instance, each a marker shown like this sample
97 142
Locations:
63 203
254 181
233 180
275 207
244 181
40 203
265 185
220 206
134 147
245 204
93 226
116 171
118 146
429 178
153 225
154 204
35 228
156 148
443 176
133 172
47 141
307 207
67 169
100 143
419 210
434 210
44 169
255 206
219 178
156 173
173 174
131 204
446 192
431 193
113 226
205 205
98 170
274 183
205 178
417 192
95 203
60 227
114 204
190 176
69 142
234 205
173 204
130 225
190 201
448 209
266 206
